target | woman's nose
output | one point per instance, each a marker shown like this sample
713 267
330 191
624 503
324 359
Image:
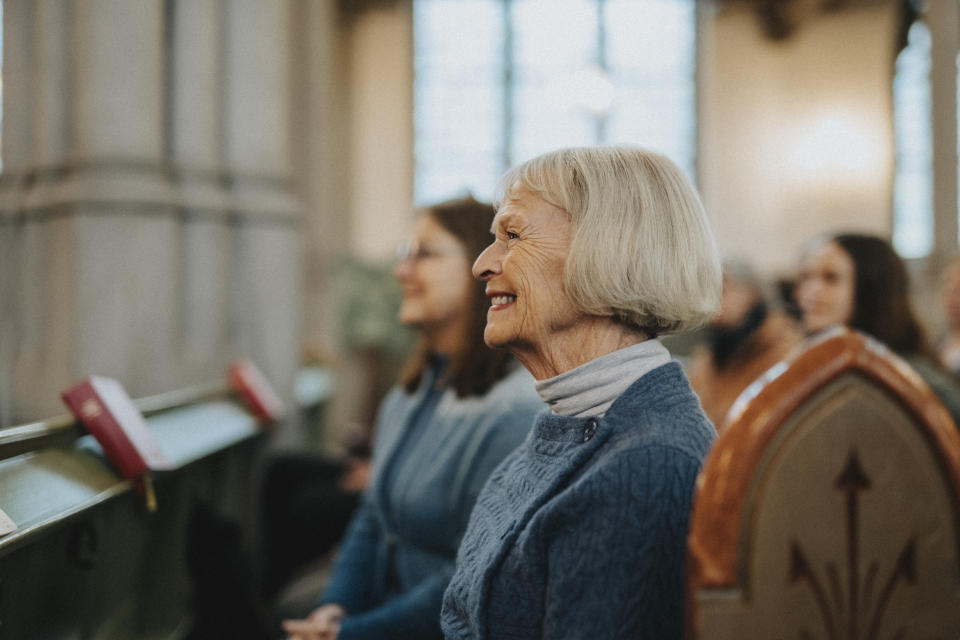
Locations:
487 263
403 269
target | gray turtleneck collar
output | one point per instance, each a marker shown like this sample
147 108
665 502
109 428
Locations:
591 388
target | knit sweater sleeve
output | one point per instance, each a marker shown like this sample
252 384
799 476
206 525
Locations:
616 549
352 582
413 615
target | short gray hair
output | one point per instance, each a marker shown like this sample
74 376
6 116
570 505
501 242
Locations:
641 247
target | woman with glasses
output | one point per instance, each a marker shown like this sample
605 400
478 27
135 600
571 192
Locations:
457 410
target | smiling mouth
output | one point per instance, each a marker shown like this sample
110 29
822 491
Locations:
500 301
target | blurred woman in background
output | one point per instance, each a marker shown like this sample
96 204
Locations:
859 281
458 409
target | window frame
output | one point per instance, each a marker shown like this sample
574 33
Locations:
691 160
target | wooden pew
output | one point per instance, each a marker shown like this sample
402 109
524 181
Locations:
830 506
87 559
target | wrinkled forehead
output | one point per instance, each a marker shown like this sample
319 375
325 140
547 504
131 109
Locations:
509 208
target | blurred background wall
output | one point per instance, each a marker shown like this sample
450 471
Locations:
185 182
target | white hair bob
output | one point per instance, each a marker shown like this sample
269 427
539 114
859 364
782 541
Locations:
641 247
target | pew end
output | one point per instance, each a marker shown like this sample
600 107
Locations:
830 505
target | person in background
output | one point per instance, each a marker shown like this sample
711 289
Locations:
581 532
746 338
459 408
859 281
948 346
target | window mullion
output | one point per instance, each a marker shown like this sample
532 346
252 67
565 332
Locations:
602 64
508 82
942 18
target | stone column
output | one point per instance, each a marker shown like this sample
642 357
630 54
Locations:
18 58
322 159
265 258
196 149
147 216
87 199
943 18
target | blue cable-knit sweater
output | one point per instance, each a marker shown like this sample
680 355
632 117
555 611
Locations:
581 532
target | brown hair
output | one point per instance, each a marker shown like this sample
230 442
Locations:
881 300
476 367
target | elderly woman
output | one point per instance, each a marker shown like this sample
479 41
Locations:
581 532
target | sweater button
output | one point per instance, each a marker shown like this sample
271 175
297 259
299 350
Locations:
589 430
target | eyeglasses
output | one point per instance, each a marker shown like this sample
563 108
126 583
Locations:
413 250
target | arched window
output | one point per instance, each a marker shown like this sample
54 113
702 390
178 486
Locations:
499 81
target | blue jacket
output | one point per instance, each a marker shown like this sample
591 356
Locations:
581 533
398 553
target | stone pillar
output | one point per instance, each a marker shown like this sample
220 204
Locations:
119 204
265 260
943 18
17 143
146 209
87 199
196 149
322 160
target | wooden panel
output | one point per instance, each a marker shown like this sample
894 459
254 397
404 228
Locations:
88 560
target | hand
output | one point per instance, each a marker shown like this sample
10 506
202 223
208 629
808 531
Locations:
357 476
322 624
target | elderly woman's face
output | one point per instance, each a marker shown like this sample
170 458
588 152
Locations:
523 269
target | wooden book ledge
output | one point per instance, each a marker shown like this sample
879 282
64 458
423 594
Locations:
85 557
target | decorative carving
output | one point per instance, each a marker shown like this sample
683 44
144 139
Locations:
853 614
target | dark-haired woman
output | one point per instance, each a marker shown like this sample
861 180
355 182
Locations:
859 281
459 408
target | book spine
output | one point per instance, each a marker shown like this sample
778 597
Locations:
86 404
256 391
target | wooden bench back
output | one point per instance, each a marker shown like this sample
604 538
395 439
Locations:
830 506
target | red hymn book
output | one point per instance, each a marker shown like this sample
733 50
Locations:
105 409
257 393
